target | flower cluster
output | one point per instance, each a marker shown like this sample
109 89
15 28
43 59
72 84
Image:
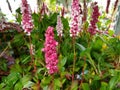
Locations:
51 57
59 26
63 12
107 7
74 25
95 14
27 22
44 9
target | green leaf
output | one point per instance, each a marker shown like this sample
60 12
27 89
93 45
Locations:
40 69
85 52
97 44
57 83
18 86
28 84
95 84
65 24
2 85
86 24
52 1
74 85
18 40
91 61
103 86
114 80
45 81
81 47
85 86
45 88
26 59
63 61
12 79
25 79
7 88
16 68
36 18
4 67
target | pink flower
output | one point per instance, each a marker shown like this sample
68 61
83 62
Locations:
63 12
51 57
44 9
59 26
74 25
27 22
95 14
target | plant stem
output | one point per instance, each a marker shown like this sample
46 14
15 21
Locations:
60 41
31 54
85 11
4 51
119 62
83 71
51 86
38 85
74 59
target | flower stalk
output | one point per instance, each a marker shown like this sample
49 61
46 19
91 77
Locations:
27 25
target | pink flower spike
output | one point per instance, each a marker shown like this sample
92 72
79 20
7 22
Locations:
59 26
27 23
44 9
95 14
51 58
75 17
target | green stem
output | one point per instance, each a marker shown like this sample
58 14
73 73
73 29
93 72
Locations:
31 54
99 71
83 71
60 41
119 62
4 51
74 59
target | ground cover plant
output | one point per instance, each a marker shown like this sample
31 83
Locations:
47 51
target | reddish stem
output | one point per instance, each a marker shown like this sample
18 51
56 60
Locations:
85 11
115 5
107 7
74 59
31 55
